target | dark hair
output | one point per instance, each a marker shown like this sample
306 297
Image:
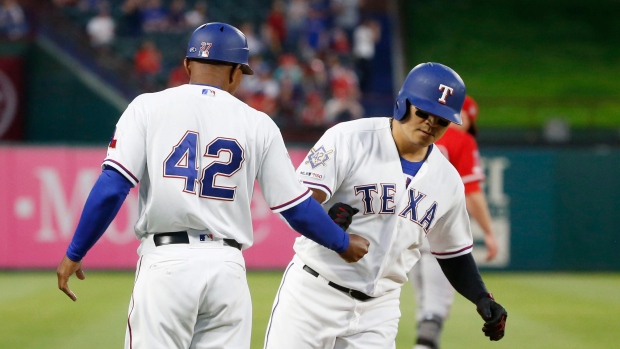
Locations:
472 130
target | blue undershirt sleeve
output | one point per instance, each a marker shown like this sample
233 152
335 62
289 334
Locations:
102 205
311 221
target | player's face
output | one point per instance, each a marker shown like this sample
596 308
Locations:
422 129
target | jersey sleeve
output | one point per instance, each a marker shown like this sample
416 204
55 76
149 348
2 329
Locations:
277 179
467 162
127 149
324 168
451 236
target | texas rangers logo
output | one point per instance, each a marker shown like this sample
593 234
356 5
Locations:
318 157
204 49
446 90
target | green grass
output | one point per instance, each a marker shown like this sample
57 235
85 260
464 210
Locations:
546 310
525 61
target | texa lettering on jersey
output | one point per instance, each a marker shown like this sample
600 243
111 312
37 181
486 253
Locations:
386 199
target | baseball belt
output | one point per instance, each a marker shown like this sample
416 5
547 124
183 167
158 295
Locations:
181 237
353 293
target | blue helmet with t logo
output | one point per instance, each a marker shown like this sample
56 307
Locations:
433 88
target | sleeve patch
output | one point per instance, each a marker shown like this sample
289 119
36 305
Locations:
319 156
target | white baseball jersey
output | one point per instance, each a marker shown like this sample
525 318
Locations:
357 163
196 151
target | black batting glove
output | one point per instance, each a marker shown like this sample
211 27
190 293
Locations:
494 316
342 214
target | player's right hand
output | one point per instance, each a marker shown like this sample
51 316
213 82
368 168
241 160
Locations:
342 214
358 247
64 271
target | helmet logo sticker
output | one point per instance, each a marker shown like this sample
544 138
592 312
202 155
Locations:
446 90
204 49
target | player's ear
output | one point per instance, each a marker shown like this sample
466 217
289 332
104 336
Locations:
235 73
188 70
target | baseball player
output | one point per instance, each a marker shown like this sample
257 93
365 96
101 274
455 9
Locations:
403 189
434 294
197 150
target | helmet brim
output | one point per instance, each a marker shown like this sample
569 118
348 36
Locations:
245 69
442 111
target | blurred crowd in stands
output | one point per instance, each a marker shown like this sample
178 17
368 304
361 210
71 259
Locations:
312 58
14 24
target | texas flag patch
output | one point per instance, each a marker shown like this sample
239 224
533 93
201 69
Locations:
113 140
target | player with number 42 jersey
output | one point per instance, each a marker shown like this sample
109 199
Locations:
206 153
196 151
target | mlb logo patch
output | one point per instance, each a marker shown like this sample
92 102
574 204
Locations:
203 237
208 92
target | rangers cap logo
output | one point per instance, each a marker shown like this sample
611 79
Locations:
446 90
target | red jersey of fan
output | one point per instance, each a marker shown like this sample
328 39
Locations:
461 149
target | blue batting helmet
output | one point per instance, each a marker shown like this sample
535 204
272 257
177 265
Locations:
219 42
433 88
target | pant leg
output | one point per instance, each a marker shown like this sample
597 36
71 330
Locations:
376 326
307 313
433 292
178 287
224 320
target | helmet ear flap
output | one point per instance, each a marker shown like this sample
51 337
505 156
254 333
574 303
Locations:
407 109
401 108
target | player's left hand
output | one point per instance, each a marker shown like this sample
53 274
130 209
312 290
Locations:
64 271
494 316
342 214
491 244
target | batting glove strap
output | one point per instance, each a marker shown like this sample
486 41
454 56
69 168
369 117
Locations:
342 214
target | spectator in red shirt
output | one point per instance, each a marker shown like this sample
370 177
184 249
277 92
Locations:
178 76
313 112
276 21
147 63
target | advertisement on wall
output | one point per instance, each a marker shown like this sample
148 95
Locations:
44 191
45 188
498 200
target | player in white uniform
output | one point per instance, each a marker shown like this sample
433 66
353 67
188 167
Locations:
196 151
405 190
433 292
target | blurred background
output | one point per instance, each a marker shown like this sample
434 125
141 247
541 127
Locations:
544 74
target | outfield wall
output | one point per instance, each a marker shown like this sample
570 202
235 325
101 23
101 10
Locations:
552 210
